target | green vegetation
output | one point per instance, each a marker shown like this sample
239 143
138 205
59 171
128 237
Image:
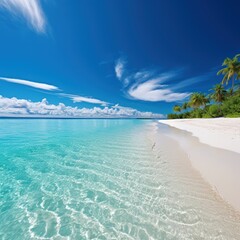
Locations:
177 108
220 103
231 70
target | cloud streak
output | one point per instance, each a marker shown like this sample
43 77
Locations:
193 81
148 85
38 85
153 91
48 87
30 10
14 107
77 98
119 68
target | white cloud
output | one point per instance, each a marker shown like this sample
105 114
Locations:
38 85
143 75
30 10
88 100
193 80
148 85
76 98
44 86
119 68
153 91
24 108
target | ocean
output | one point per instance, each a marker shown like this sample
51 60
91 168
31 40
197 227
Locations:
103 179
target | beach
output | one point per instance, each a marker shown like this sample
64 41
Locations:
213 148
217 132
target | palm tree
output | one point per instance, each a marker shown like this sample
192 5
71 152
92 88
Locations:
185 106
231 70
219 93
197 100
230 92
177 108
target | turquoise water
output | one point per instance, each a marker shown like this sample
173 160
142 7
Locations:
103 179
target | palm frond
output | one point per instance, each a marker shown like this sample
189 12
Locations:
226 61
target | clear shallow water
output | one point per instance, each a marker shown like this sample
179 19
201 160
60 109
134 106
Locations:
103 179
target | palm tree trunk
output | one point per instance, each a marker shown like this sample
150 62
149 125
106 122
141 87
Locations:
232 83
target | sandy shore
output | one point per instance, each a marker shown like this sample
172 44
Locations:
213 148
219 132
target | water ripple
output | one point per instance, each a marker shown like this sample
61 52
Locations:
117 184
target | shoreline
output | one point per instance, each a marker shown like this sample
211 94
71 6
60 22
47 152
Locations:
217 164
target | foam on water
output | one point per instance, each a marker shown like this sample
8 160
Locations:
103 179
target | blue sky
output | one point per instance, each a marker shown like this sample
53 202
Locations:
111 58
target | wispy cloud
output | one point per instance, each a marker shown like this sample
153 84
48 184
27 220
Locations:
48 87
153 91
119 68
193 80
15 107
38 85
148 85
30 10
77 98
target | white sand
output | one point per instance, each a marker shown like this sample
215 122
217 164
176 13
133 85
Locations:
219 132
219 165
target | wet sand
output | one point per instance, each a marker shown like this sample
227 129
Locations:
218 166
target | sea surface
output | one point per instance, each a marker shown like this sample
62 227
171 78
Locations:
103 179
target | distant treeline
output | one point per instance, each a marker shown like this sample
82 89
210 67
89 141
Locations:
220 102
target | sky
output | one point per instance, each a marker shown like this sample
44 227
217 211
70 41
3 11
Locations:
91 58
